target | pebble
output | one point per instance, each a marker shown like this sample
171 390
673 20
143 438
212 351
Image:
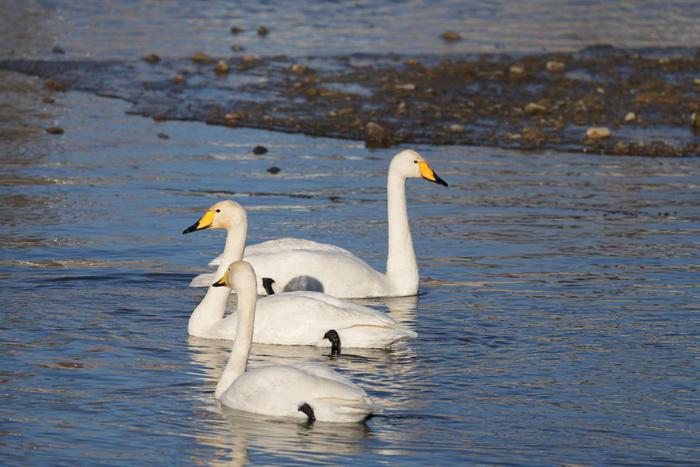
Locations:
299 69
232 118
159 117
259 150
451 36
201 57
54 130
554 66
696 81
250 59
163 136
456 128
598 132
179 79
695 121
406 87
151 58
376 136
517 69
274 170
533 135
222 68
48 100
236 30
630 117
263 31
237 48
55 85
58 50
534 108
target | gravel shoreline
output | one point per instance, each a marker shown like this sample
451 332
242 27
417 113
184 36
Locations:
598 100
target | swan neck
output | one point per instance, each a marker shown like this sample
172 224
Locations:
212 308
234 246
401 267
238 361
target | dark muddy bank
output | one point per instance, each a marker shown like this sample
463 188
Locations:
647 101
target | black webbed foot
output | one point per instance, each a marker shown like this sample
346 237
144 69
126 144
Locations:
333 336
267 285
308 411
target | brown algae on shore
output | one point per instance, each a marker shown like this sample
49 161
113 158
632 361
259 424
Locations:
645 98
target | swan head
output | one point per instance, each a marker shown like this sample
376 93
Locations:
239 275
222 215
410 164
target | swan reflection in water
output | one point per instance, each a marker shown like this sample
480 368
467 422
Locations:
384 374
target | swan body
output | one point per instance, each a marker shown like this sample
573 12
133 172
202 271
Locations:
275 248
303 318
307 390
295 318
298 264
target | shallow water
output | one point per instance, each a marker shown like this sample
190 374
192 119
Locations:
557 321
129 29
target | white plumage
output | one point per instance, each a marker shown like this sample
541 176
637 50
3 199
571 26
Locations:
298 264
307 390
294 318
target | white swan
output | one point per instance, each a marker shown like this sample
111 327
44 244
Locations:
295 318
307 390
297 264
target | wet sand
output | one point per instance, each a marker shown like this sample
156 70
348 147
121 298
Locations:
643 101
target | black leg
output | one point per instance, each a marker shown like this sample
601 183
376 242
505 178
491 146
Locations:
333 336
267 285
306 408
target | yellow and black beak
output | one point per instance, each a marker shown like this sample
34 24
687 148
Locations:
203 223
429 174
221 282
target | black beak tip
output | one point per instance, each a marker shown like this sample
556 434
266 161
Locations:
190 229
440 181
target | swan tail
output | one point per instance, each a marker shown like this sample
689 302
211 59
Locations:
373 337
343 410
203 280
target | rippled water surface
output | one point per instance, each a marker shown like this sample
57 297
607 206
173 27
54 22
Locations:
130 28
558 319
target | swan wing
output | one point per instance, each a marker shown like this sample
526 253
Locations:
339 275
279 390
203 280
287 243
301 318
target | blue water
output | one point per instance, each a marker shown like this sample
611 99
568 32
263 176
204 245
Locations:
129 29
558 320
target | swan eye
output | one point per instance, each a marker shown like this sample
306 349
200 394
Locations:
415 162
218 210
